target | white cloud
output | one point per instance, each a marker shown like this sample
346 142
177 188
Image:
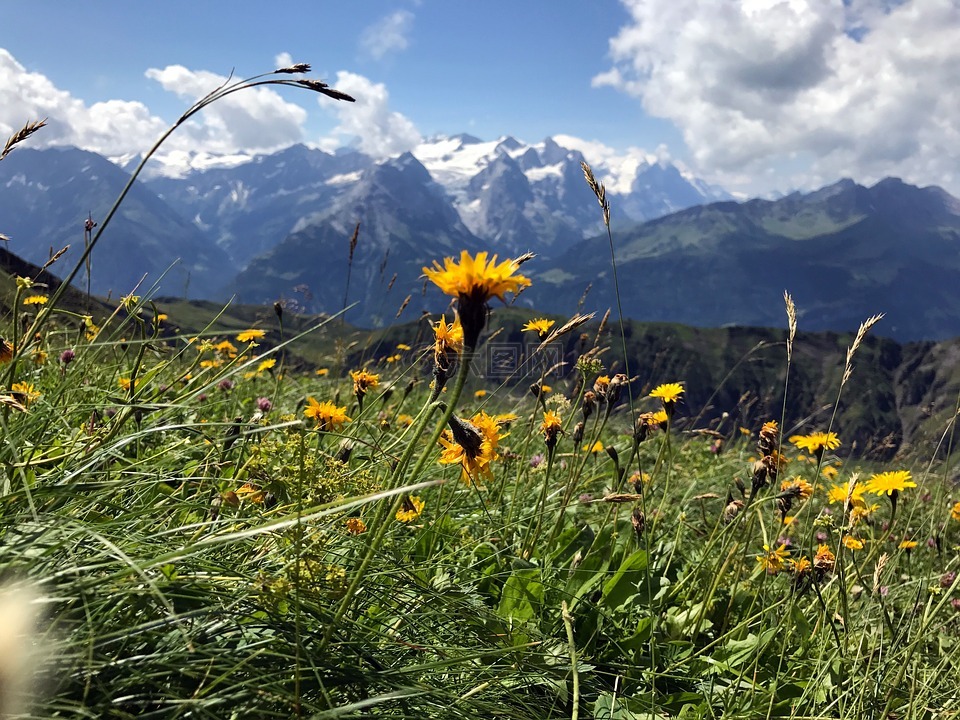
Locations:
816 88
111 128
390 34
379 131
283 60
257 120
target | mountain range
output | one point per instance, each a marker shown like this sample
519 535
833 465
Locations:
278 227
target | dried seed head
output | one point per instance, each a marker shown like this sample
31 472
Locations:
466 435
731 511
639 521
296 69
578 433
22 134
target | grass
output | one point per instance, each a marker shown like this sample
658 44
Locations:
192 538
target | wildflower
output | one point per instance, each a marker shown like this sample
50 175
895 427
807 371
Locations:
127 383
405 420
551 427
838 493
410 509
394 358
767 440
210 364
363 381
267 364
852 543
251 335
323 372
861 512
356 526
67 356
329 417
24 392
955 511
129 301
473 281
887 483
448 341
668 393
773 560
824 560
6 351
35 300
251 492
948 578
24 283
39 356
264 404
829 472
597 447
472 445
225 385
907 544
539 325
92 330
537 460
800 567
816 443
224 349
480 394
403 346
798 487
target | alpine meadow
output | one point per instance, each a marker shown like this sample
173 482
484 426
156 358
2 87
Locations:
520 505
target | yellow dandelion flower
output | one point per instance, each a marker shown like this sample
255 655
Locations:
35 300
224 349
838 493
265 365
363 381
551 427
6 351
829 472
25 392
861 511
815 443
955 511
824 560
907 544
448 341
323 372
668 393
127 383
405 420
329 417
745 431
480 394
852 543
886 483
394 358
251 493
476 278
403 347
356 526
410 509
798 487
211 363
251 335
472 445
541 326
597 447
773 560
801 566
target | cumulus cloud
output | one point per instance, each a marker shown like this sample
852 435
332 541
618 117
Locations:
257 120
864 88
387 35
114 127
378 131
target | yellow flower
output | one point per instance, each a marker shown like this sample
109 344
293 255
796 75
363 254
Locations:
410 509
356 526
816 442
838 494
329 417
907 544
480 394
403 346
224 349
668 393
801 566
472 445
773 560
405 420
955 511
35 300
161 317
323 372
394 358
595 448
252 493
861 511
540 325
129 301
25 391
829 472
211 363
852 543
267 364
250 335
448 341
6 351
824 560
39 356
473 281
363 381
551 427
887 483
798 486
476 278
24 283
126 383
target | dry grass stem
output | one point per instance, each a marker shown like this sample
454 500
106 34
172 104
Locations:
878 572
599 190
791 323
571 324
22 134
861 334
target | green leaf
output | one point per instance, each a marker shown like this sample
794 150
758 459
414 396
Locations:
522 595
625 583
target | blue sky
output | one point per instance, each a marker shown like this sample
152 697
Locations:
757 95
